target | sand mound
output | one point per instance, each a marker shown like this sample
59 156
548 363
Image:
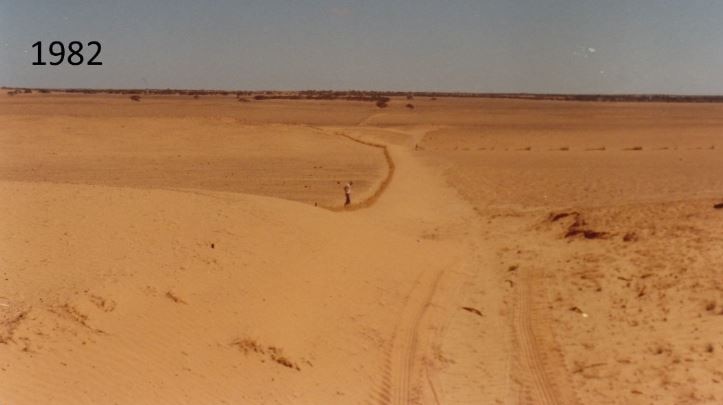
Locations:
157 296
292 162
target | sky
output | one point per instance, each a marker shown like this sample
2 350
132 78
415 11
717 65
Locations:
531 46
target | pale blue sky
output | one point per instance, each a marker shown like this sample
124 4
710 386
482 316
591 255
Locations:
561 46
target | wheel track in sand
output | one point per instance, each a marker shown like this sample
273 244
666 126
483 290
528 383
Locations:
396 386
543 376
538 385
398 378
399 385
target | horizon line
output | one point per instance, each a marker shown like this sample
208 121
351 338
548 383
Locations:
379 92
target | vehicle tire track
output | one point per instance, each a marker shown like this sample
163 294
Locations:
399 382
538 385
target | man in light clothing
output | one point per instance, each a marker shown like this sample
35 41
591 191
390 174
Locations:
347 193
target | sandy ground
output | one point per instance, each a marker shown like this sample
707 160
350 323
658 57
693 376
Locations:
170 251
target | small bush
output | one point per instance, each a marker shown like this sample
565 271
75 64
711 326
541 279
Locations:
410 106
382 102
247 345
136 98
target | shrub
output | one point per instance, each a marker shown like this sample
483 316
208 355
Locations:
136 98
382 102
410 106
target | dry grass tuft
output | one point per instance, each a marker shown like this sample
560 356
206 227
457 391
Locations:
248 345
473 310
277 356
173 297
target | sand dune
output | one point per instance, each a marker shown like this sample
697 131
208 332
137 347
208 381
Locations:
292 162
132 294
520 252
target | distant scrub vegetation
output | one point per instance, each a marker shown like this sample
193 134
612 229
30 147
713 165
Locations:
375 96
325 95
19 91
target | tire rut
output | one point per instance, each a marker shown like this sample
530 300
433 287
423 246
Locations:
538 384
399 383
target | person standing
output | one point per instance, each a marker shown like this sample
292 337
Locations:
347 193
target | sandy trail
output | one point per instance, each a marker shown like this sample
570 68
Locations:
413 203
419 202
442 354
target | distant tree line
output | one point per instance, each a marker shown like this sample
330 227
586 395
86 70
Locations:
379 97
